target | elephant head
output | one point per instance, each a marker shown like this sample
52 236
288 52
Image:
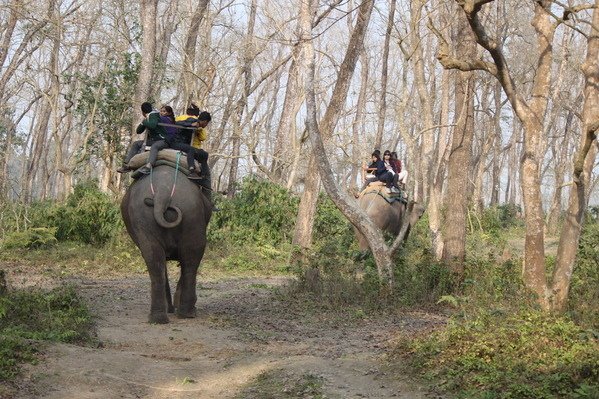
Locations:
166 215
388 213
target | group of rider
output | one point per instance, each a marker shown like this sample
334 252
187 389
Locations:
387 170
187 132
184 133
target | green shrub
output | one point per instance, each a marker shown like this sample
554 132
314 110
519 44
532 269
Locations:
34 238
496 355
88 216
583 302
261 213
58 315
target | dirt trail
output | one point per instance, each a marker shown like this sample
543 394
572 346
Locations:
243 331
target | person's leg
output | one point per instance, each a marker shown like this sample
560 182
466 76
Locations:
402 177
134 149
202 157
156 146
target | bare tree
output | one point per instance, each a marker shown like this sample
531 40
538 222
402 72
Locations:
530 112
302 235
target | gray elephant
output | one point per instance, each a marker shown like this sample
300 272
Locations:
387 210
166 215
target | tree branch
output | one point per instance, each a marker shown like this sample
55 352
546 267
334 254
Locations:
449 62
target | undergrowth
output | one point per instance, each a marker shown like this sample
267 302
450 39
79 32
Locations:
529 354
27 318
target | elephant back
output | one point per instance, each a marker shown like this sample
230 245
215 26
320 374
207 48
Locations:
167 156
388 194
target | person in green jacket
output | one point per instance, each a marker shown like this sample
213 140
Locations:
155 137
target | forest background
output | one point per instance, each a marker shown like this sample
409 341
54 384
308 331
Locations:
492 106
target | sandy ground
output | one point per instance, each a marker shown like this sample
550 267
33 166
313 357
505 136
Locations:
244 329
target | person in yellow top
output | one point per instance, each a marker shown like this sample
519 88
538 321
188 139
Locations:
195 138
194 118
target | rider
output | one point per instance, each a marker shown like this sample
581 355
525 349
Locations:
155 137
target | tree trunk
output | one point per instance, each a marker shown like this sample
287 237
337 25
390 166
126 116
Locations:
186 82
358 123
436 198
143 89
423 171
454 248
383 99
248 57
583 166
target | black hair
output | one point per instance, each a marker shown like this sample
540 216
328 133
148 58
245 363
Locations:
169 112
387 152
193 110
394 155
205 116
377 154
146 108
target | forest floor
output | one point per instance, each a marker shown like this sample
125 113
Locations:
251 339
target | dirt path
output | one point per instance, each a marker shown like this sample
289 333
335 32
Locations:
245 334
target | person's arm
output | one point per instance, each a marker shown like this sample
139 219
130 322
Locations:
140 128
151 122
201 133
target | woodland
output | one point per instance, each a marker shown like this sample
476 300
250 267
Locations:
492 106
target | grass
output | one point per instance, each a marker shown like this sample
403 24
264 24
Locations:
277 384
496 355
29 318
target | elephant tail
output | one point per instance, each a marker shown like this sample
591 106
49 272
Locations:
160 208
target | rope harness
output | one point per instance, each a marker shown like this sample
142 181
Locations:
174 181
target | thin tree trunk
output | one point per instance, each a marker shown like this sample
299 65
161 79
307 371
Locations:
143 89
186 82
249 55
358 123
436 198
583 166
383 99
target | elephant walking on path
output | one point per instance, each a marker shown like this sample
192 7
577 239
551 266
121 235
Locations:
166 215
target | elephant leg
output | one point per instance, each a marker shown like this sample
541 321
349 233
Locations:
156 262
178 294
169 299
187 289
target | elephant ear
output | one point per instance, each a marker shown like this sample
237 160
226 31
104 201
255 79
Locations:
149 201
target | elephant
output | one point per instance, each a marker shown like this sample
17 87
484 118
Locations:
386 211
167 215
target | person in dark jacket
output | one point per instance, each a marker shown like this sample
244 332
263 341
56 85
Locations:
377 168
155 136
176 141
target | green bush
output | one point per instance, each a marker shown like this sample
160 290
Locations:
34 238
584 295
261 213
88 216
58 315
496 355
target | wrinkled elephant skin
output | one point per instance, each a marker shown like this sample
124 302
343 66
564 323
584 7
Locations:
168 228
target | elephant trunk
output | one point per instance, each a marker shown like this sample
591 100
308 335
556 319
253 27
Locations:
161 205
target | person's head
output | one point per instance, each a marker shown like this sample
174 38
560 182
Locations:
393 155
204 119
193 110
146 108
376 156
167 110
378 152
